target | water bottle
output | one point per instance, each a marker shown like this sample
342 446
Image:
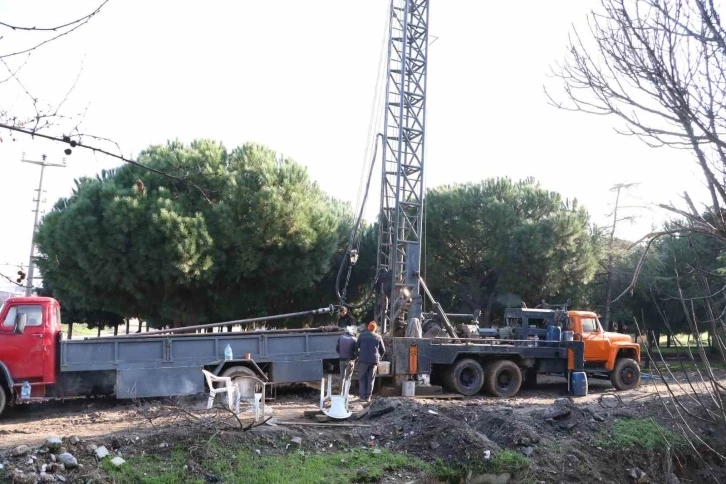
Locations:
228 353
25 391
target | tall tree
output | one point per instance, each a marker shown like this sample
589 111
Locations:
256 240
504 242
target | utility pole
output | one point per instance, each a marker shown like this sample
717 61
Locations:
31 265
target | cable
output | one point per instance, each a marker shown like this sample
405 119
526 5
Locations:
355 234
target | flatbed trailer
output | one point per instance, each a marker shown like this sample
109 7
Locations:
157 366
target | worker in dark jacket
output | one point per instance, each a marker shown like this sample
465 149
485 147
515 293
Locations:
346 353
369 349
345 319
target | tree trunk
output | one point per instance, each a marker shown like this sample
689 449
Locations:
115 329
128 322
98 333
70 330
668 340
140 323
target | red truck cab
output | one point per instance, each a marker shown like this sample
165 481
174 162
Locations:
30 329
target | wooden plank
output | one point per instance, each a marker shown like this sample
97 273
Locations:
312 424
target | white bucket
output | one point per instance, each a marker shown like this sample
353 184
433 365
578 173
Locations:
408 388
567 335
384 368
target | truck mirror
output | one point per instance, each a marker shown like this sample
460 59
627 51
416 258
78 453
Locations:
21 319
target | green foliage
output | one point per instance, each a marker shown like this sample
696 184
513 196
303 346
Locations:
670 262
505 461
642 433
89 318
498 243
248 468
245 233
152 469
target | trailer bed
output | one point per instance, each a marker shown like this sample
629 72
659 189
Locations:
164 365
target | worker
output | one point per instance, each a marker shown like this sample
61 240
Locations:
346 354
369 349
345 319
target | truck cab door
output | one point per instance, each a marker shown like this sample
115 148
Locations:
596 348
23 352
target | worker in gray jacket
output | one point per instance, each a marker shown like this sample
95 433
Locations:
346 353
369 349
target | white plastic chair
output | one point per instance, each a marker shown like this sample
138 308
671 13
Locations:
338 403
247 391
228 388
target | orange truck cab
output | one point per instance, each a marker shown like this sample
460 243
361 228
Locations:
614 354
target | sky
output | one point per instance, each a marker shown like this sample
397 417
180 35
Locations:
300 77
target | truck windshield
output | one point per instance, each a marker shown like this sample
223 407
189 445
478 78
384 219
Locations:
589 325
35 315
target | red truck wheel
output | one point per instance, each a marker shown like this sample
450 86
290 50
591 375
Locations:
3 399
626 374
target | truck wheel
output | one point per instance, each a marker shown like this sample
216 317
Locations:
503 378
3 399
626 374
239 371
465 377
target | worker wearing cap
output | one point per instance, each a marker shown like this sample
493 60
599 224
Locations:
346 353
346 319
369 349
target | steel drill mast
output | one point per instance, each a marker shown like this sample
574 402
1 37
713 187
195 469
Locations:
402 184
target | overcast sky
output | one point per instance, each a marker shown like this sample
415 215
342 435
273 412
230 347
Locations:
300 77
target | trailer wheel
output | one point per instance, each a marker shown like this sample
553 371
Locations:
626 374
503 378
235 372
465 377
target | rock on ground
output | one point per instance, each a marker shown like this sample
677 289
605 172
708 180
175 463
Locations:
68 460
20 450
557 411
118 461
101 452
53 443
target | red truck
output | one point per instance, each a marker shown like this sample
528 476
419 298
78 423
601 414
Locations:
137 366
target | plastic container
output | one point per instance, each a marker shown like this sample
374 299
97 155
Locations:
567 336
554 335
408 388
578 384
25 391
384 368
228 353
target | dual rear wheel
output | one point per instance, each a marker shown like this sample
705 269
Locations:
501 378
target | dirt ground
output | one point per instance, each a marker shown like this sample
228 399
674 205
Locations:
562 437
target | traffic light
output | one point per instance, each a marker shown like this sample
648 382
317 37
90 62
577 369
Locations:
21 276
